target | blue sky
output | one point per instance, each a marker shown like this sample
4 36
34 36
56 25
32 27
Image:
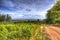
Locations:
26 9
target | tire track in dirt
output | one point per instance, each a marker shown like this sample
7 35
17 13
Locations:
57 29
53 35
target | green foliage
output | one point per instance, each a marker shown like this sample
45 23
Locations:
56 7
2 18
3 33
21 31
12 35
53 15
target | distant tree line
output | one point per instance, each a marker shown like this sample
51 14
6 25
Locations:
4 18
27 21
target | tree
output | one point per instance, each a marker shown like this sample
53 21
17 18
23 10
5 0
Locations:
2 18
8 18
53 15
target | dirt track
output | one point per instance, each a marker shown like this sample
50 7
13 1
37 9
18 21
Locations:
53 32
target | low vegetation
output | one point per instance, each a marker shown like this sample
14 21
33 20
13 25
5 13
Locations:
21 31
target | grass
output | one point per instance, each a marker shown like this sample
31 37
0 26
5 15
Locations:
21 31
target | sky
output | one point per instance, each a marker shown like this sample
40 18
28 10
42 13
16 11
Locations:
26 9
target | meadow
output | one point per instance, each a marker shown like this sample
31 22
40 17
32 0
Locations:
21 31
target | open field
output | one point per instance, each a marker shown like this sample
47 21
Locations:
29 31
21 31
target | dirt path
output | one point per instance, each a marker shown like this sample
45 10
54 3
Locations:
53 32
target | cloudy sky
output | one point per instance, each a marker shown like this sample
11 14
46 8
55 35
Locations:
26 9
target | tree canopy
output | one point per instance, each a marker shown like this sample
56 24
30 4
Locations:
53 15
